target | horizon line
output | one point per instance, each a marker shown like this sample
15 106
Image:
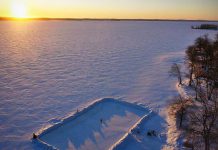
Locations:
101 19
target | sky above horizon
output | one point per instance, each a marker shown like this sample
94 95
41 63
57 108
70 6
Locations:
126 9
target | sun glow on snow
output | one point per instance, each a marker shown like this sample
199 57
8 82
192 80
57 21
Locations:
19 10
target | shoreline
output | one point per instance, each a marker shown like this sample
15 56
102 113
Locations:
101 19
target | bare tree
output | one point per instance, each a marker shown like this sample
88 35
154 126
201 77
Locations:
190 61
203 118
176 71
181 108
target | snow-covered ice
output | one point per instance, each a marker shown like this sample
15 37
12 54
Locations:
48 69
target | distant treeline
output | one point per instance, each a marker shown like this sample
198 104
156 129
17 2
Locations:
206 26
101 19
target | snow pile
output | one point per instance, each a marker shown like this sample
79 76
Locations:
98 126
173 133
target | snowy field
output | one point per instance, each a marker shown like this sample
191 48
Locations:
49 69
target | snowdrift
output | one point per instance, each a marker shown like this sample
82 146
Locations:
104 124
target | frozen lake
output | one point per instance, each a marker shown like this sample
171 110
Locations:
48 69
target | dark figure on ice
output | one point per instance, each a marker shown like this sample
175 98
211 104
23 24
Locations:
35 136
151 133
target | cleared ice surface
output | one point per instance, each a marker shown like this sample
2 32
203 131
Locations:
86 131
140 141
50 68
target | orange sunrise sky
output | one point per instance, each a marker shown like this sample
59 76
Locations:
123 9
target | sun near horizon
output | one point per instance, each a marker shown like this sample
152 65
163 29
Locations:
19 10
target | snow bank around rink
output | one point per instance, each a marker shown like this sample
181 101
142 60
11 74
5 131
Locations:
46 137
